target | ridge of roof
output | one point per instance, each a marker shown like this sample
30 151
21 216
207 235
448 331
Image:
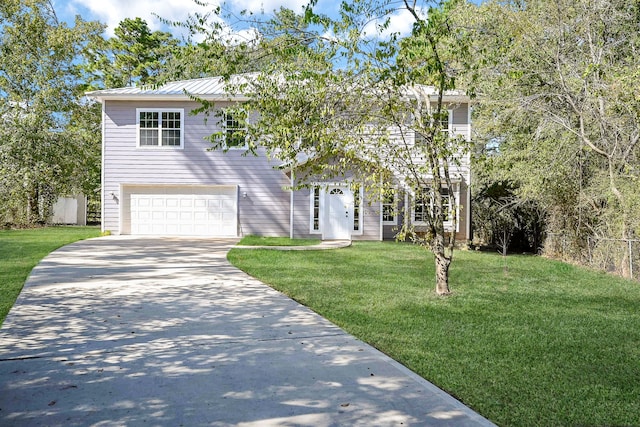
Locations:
211 88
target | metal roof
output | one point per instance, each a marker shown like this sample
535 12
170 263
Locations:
213 88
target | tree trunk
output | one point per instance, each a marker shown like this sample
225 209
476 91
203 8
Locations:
33 207
624 265
442 273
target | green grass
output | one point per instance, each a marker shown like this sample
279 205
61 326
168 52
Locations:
276 241
541 343
21 250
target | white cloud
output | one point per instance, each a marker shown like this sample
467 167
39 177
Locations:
112 12
401 22
268 6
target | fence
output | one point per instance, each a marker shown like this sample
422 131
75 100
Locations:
618 256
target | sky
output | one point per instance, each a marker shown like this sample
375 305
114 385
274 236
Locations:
111 12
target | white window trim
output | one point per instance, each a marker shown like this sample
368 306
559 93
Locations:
395 210
160 111
320 207
449 128
447 224
360 230
243 147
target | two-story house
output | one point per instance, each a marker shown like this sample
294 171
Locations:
160 176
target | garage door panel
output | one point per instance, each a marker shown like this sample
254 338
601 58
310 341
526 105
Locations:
209 211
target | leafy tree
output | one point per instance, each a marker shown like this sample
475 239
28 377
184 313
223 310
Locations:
559 80
134 56
39 158
368 105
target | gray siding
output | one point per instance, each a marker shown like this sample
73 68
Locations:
264 211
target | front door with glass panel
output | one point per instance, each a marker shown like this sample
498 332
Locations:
338 213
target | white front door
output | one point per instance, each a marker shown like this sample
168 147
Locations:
338 213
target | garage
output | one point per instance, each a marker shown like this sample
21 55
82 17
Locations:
182 211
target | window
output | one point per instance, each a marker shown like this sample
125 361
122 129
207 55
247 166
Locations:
445 120
389 208
235 129
424 205
160 127
315 209
356 208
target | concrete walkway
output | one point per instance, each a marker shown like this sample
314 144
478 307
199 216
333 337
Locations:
323 245
164 332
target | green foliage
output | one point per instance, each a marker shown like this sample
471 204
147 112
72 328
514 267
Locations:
21 250
41 157
556 79
134 56
544 344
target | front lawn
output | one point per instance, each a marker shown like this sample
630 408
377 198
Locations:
539 343
21 250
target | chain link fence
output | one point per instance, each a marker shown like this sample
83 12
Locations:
617 256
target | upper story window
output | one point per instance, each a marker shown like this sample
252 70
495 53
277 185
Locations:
444 120
159 127
446 117
235 129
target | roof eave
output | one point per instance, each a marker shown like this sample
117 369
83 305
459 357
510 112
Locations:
163 97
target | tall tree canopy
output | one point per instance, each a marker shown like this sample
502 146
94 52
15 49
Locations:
133 56
40 156
560 97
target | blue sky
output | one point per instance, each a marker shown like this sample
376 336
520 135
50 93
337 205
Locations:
111 12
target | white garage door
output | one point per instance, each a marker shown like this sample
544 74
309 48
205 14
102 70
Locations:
210 211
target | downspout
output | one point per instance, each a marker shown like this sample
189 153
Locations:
469 231
469 236
380 219
291 210
102 183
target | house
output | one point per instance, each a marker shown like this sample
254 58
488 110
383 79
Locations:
160 176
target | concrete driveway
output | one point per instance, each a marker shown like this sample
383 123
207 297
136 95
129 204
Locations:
165 332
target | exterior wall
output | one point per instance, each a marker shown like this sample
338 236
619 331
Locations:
302 214
461 126
264 210
370 219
